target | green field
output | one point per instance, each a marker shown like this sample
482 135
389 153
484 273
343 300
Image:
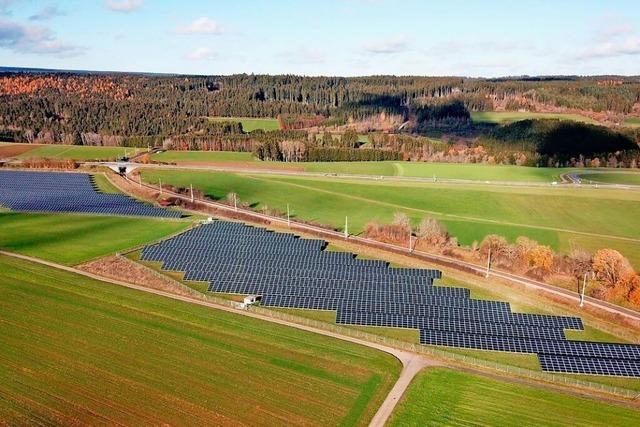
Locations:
632 121
553 216
202 156
250 124
76 238
462 171
447 397
500 117
623 178
78 351
74 152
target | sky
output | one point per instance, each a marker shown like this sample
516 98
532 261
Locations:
472 38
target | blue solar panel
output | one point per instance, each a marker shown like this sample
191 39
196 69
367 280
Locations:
68 192
298 273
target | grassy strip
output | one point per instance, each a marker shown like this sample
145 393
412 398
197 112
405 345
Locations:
250 124
104 185
447 397
78 152
75 238
514 116
77 350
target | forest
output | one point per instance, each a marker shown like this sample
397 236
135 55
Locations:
152 110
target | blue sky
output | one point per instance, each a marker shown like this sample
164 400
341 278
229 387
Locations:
329 37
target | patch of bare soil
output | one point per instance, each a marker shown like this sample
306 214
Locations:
115 267
14 150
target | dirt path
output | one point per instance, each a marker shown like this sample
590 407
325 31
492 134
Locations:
411 363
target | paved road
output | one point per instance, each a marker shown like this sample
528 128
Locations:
412 363
569 296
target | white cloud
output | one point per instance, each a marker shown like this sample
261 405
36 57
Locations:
124 6
201 53
626 47
46 13
22 38
202 25
614 38
395 44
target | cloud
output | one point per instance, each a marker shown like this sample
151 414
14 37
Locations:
202 25
303 55
124 6
615 37
630 46
395 44
22 38
46 13
201 53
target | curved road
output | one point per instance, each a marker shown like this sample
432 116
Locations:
412 363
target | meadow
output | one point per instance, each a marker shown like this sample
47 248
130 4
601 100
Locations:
447 397
632 121
462 171
79 351
250 124
78 152
553 216
77 238
622 178
501 117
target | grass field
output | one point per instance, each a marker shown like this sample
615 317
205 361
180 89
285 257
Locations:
500 117
104 185
73 239
250 124
553 216
623 178
464 171
78 152
77 351
632 121
446 397
202 156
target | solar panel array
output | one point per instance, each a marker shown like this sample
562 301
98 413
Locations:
68 192
292 272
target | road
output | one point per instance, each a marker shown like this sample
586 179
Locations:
412 363
569 296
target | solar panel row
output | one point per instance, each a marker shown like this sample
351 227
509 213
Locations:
67 192
298 273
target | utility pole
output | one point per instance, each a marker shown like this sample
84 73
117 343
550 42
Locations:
584 286
191 192
288 216
160 182
488 263
346 227
139 180
410 248
235 202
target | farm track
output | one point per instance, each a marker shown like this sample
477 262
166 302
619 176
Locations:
411 363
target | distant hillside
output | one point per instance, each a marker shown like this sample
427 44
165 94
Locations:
105 108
